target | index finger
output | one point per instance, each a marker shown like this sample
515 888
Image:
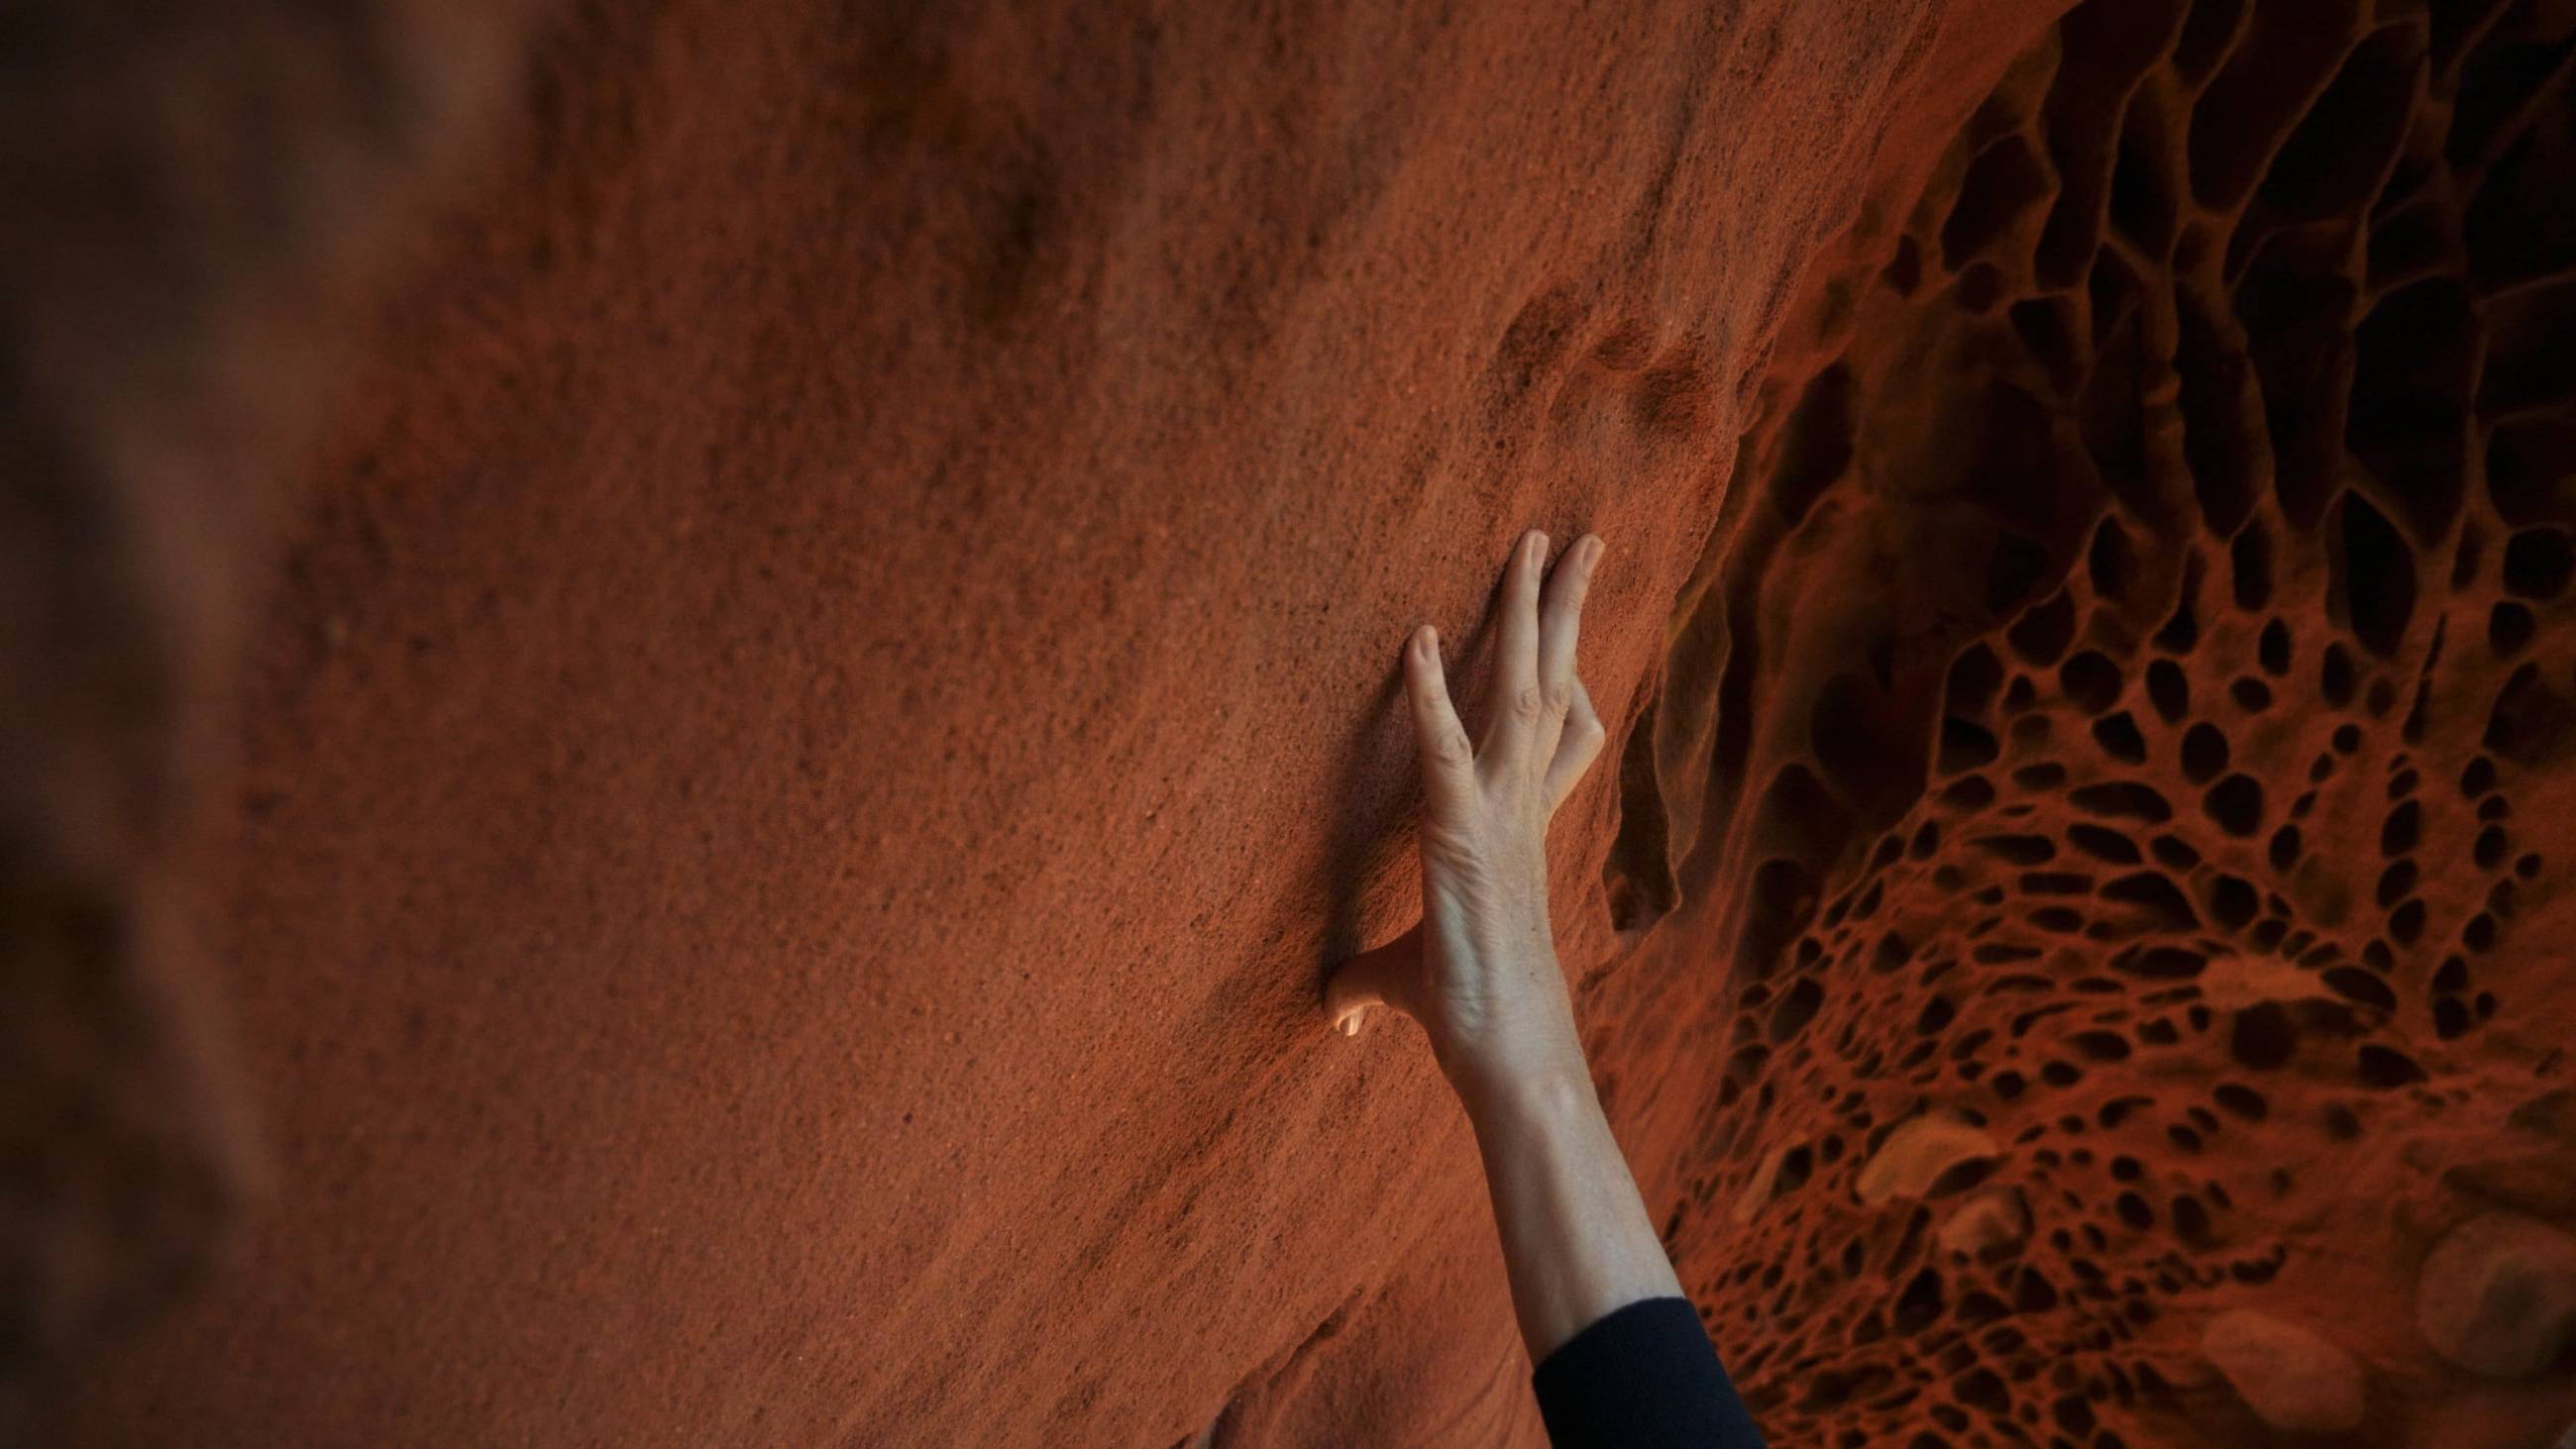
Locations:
1516 695
1561 616
1448 761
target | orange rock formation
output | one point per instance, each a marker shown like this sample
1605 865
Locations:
770 805
2124 718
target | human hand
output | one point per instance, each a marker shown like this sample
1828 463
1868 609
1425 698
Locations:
1480 972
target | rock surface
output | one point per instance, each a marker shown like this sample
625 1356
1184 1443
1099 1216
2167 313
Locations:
1988 1221
2498 1296
2291 1376
824 695
1918 1156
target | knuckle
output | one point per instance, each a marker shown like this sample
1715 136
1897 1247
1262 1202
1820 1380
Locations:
1560 698
1450 747
1529 703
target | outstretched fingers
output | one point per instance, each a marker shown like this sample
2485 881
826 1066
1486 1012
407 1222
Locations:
1518 707
1448 760
1560 619
1576 751
1543 732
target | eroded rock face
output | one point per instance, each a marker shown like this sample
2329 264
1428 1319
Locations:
187 193
1922 1157
776 884
2294 1378
2498 1296
1993 1220
2129 709
825 699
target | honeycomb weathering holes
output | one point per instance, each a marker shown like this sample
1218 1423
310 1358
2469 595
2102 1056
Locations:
2163 920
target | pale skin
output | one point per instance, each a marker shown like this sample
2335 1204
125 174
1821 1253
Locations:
1480 974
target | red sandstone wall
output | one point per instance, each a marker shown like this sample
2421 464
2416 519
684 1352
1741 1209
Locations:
2123 719
829 697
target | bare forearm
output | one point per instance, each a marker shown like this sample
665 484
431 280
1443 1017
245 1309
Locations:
1576 1238
1480 975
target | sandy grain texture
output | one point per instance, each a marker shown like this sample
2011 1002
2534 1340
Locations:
817 692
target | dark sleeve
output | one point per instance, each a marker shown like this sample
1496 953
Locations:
1641 1376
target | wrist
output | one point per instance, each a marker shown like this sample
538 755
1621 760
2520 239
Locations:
1535 1092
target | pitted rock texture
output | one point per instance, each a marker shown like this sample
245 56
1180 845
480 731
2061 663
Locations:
2129 710
829 695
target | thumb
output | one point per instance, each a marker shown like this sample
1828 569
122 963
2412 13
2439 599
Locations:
1382 977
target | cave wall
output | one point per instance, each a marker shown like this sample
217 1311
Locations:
2124 723
818 692
824 697
189 196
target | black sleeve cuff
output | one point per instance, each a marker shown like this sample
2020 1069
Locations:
1641 1376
